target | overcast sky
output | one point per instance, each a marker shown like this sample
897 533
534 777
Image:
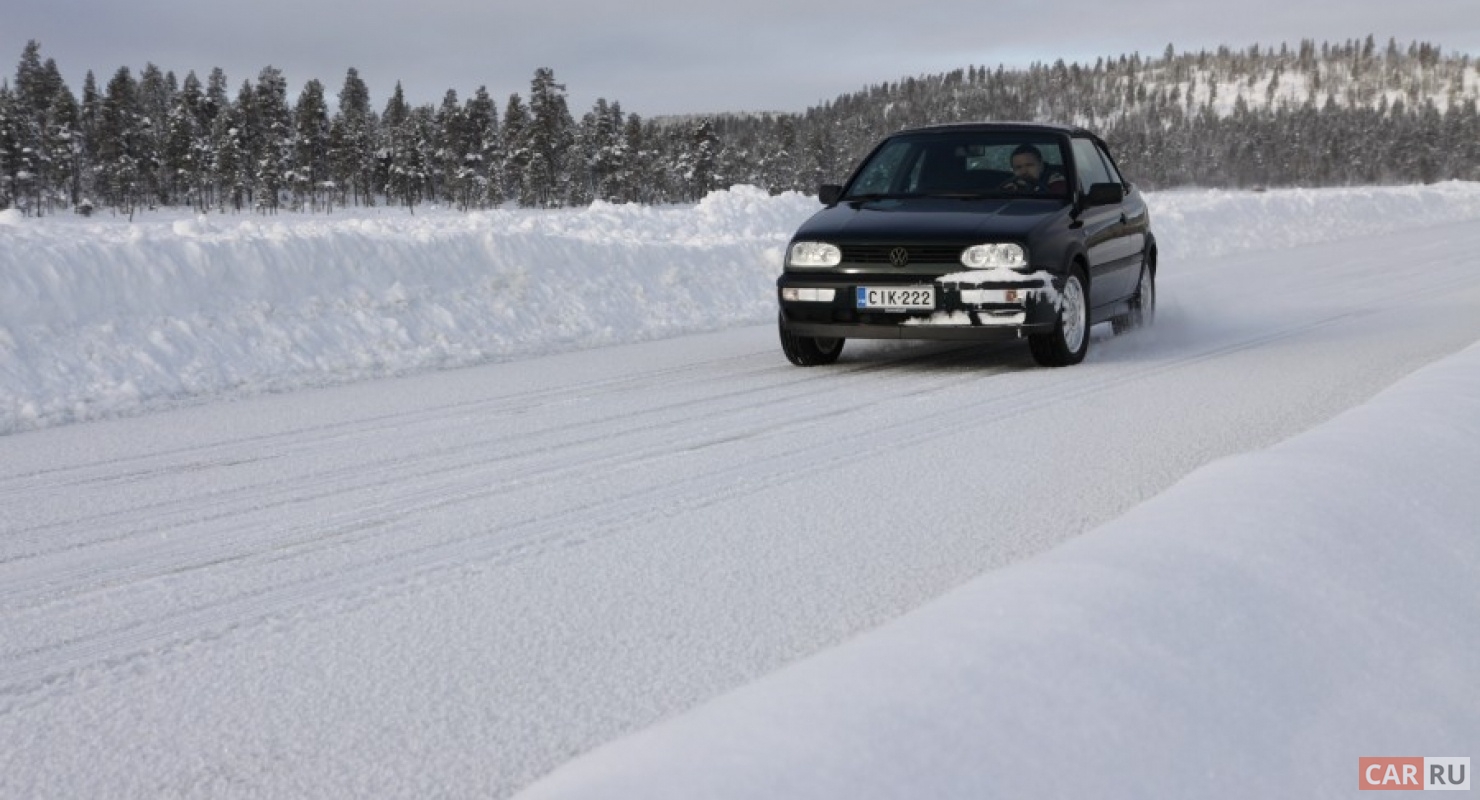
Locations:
666 56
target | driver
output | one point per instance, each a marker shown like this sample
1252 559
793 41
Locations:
1028 174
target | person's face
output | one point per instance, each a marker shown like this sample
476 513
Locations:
1026 166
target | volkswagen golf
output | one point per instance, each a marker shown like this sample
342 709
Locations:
972 232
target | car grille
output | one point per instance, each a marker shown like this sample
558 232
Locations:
918 253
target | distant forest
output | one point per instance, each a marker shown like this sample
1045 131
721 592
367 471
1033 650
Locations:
1315 115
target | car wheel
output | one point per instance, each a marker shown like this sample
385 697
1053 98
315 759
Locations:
808 351
1143 305
1069 341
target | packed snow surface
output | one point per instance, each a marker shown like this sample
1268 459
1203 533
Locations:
400 580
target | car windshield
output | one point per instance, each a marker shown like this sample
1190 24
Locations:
962 164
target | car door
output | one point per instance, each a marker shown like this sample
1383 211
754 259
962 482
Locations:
1135 222
1111 254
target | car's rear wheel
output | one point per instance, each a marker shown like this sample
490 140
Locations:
1069 341
809 351
1143 306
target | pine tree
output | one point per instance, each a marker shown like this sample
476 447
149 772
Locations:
449 148
28 174
338 146
635 181
179 140
417 157
32 88
217 98
91 112
154 103
354 164
10 146
604 151
233 142
517 150
309 175
778 163
483 157
401 164
702 176
551 142
61 149
274 137
118 132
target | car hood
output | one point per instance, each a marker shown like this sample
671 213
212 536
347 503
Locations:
907 219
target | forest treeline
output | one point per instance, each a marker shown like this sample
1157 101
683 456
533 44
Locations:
1355 112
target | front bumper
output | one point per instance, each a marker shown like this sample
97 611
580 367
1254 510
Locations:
966 309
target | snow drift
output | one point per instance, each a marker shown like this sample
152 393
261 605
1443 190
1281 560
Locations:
102 316
1251 632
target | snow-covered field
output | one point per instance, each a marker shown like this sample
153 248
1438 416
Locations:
451 582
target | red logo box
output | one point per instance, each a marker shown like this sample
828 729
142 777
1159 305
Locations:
1391 774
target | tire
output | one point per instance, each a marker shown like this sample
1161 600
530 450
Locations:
808 351
1069 341
1143 305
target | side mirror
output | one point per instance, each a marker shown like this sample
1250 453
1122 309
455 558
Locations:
1104 194
829 193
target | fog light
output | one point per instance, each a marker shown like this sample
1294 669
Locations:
985 296
808 295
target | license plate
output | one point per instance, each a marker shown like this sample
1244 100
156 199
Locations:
901 298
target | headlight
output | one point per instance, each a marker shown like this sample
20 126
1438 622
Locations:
987 256
814 254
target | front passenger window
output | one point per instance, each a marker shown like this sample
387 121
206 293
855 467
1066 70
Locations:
1110 166
1088 166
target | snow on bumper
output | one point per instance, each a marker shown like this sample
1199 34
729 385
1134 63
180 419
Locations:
968 305
991 297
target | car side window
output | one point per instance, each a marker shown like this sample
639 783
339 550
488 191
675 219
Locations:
1115 175
1089 166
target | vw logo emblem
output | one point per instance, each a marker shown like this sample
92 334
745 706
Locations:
899 256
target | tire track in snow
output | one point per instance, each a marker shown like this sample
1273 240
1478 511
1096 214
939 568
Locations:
24 569
27 674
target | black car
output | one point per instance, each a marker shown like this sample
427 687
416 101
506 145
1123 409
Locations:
972 232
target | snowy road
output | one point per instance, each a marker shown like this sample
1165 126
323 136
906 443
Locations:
450 584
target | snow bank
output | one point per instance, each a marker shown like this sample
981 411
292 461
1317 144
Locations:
1206 223
101 316
104 316
1251 632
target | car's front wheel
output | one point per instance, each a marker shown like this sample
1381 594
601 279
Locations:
809 351
1069 340
1143 305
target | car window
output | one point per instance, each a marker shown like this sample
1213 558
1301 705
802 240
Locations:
1091 169
954 163
1110 165
879 175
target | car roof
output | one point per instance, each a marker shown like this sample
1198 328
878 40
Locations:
1006 127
